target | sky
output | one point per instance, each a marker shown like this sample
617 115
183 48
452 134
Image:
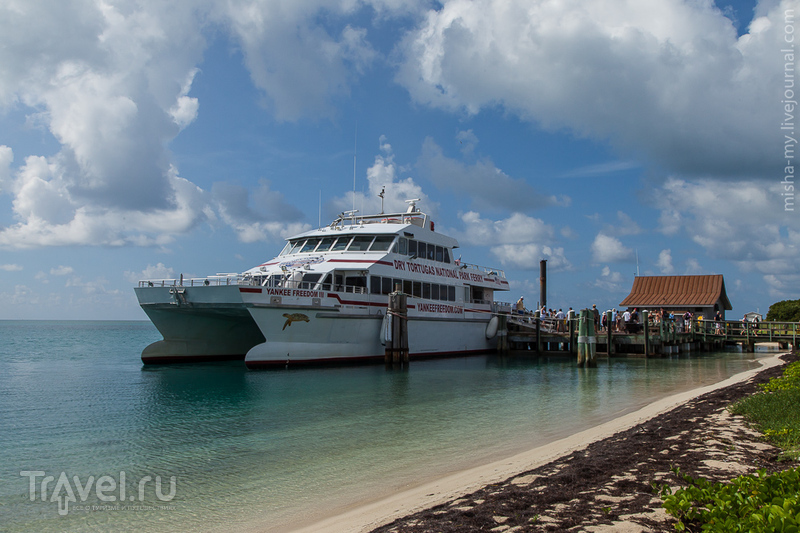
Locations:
150 138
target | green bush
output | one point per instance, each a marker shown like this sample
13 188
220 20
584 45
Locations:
785 311
748 503
776 411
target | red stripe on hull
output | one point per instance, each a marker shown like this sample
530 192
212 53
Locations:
367 359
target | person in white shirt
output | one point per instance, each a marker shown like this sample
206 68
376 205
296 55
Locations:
560 320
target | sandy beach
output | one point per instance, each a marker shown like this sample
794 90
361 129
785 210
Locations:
557 486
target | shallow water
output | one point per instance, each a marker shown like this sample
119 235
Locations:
273 447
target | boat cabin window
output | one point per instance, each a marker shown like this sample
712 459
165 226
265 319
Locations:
422 250
325 244
407 286
382 243
355 284
387 286
286 248
412 248
310 245
341 244
310 281
296 245
477 294
326 283
402 246
417 289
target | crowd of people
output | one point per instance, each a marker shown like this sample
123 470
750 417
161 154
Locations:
627 321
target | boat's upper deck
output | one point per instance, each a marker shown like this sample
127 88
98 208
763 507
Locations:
405 243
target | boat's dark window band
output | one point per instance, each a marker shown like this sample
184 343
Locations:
428 291
369 243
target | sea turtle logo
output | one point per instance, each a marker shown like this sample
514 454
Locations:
296 317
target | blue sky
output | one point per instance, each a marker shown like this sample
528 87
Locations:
150 138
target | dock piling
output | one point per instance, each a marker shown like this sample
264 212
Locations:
396 351
587 342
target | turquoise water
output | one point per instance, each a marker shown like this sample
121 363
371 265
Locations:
278 447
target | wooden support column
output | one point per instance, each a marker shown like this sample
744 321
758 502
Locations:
609 335
646 327
502 332
396 351
571 326
539 335
587 341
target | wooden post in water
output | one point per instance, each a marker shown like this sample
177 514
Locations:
646 326
397 347
587 342
539 334
502 334
571 329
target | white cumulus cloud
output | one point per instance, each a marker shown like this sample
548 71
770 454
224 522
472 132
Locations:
608 249
667 80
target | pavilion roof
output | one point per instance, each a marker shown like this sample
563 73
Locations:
671 291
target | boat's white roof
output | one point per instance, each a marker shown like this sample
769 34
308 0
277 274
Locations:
414 225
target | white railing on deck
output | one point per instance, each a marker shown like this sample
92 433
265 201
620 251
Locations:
229 279
486 270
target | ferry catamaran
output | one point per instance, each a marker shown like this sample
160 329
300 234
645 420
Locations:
324 298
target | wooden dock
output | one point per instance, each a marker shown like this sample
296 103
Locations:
664 338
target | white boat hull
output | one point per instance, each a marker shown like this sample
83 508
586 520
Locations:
313 336
199 324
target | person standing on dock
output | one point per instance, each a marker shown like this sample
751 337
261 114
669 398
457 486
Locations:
520 306
560 321
626 318
596 314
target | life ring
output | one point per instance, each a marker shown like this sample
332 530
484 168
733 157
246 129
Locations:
491 327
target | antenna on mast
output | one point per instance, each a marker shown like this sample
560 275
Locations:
355 150
381 196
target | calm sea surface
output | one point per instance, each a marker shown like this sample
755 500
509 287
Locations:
100 442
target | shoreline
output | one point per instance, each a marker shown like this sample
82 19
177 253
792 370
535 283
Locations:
370 516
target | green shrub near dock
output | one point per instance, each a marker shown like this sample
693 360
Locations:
775 411
752 502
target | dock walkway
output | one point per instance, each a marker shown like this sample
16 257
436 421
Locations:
670 336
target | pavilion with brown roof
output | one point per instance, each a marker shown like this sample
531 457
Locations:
702 295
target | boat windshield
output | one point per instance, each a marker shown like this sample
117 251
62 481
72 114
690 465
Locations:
326 244
382 243
360 243
310 245
341 243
